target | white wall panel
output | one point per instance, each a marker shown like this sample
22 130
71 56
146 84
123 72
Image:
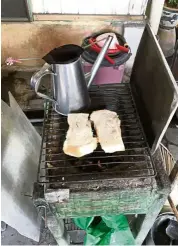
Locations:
143 7
103 7
52 6
110 7
120 7
86 7
137 7
133 36
37 6
69 7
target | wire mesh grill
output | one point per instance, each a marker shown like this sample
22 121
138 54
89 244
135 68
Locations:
134 162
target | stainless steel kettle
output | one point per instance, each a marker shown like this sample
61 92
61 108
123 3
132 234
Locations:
70 84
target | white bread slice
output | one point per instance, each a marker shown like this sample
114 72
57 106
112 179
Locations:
79 139
107 125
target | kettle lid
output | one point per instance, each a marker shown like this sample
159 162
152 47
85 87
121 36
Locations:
64 54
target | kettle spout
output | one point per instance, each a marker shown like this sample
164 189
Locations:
98 61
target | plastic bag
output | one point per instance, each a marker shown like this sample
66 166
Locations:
106 230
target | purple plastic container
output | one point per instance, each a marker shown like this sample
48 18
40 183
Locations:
106 75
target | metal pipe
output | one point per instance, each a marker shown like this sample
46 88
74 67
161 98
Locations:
37 120
97 41
99 60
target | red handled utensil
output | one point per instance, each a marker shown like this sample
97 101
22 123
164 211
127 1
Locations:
119 48
98 49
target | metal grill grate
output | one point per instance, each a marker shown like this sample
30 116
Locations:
134 162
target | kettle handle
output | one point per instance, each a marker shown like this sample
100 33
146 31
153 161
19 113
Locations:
36 80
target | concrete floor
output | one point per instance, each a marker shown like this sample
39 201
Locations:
11 237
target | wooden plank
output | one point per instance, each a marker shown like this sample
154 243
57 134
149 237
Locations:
65 17
99 203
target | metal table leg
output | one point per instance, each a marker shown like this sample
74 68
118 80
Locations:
145 222
56 226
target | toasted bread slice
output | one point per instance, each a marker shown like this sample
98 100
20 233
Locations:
107 125
79 139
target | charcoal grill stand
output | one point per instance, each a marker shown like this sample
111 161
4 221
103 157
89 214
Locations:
134 197
141 186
